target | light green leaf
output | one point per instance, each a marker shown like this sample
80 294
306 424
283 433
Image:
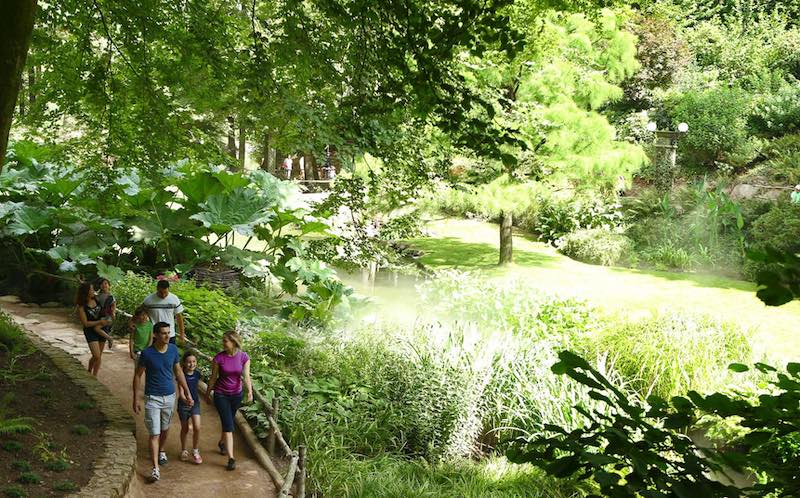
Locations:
28 220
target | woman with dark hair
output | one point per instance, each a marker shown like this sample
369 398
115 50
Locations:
90 314
107 302
230 367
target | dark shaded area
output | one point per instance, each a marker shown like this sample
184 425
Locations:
67 434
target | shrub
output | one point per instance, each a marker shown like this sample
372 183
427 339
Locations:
458 201
783 163
717 123
778 113
57 465
21 465
557 218
65 486
29 478
208 312
778 228
11 336
649 452
79 430
432 389
597 246
14 491
666 256
12 446
672 353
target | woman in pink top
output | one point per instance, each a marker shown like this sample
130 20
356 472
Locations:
229 367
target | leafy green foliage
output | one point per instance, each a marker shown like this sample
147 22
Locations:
14 491
597 246
779 229
29 478
695 228
557 218
629 452
59 465
65 486
21 465
79 430
778 113
717 118
438 390
11 446
641 450
208 312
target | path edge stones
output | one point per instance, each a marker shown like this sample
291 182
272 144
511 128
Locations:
115 468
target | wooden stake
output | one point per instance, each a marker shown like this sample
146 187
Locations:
272 432
301 479
287 483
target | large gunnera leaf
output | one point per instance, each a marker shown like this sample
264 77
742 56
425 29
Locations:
241 211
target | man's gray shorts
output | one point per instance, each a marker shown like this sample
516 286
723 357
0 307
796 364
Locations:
158 413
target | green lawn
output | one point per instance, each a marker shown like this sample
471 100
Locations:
472 245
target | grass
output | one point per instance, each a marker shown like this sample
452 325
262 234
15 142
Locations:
393 477
473 245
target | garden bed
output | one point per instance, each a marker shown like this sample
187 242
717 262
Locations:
66 429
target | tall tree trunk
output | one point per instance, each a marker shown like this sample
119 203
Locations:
242 146
231 137
31 82
280 157
21 99
266 152
314 167
296 171
309 165
506 239
16 26
334 159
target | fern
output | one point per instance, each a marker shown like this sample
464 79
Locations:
16 425
12 425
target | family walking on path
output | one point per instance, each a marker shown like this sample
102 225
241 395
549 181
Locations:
168 377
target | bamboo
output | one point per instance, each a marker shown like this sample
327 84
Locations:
301 466
287 483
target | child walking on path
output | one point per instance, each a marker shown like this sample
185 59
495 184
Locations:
190 413
141 330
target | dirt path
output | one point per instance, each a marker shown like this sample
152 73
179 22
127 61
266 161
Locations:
58 327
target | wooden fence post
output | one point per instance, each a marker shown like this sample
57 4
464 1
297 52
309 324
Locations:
271 434
301 468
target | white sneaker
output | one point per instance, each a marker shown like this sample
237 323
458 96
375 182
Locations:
162 458
155 475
